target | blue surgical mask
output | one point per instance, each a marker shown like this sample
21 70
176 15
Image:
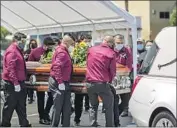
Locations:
119 46
140 46
21 45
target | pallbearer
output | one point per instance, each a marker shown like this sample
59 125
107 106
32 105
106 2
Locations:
59 79
101 69
14 75
43 109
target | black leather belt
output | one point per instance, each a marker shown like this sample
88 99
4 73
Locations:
98 82
56 80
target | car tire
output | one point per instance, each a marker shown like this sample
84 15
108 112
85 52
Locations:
166 115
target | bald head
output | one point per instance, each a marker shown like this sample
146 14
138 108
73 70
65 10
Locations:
67 40
109 40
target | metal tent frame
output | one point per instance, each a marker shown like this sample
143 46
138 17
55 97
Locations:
40 17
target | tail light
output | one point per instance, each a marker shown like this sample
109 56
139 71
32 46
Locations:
138 78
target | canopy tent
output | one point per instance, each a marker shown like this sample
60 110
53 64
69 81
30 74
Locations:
40 17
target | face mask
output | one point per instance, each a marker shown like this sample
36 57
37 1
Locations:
70 49
140 46
33 46
21 45
119 46
148 47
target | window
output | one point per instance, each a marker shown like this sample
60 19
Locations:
164 15
149 59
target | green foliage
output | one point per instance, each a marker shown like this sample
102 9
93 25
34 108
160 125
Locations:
4 33
79 54
46 59
173 18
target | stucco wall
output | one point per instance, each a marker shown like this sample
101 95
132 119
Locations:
141 8
156 24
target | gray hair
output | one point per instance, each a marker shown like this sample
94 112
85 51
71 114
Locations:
67 40
119 36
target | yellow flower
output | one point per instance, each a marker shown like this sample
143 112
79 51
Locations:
82 44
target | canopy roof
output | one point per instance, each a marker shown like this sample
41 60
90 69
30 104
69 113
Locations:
43 17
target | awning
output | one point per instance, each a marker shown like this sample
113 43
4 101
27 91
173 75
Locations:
43 17
40 17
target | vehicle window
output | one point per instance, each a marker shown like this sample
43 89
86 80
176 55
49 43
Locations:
149 59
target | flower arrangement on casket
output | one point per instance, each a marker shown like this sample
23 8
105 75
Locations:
79 54
46 58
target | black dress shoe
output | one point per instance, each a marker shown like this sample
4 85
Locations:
47 122
41 121
95 124
117 125
124 114
28 125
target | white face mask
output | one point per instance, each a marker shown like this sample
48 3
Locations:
148 47
70 49
119 46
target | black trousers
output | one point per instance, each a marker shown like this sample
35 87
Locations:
62 103
124 102
104 91
14 101
78 105
116 106
30 93
125 97
42 109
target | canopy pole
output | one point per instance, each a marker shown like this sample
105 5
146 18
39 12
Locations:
114 29
134 38
93 34
9 25
62 32
127 33
19 16
44 13
38 40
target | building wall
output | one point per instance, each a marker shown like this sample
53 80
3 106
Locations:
141 8
120 4
151 23
156 24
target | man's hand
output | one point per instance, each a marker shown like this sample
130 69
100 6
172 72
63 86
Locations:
61 86
17 88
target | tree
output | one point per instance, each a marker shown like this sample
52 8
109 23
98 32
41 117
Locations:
173 18
4 32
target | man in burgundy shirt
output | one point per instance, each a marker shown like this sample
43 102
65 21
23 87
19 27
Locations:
14 75
35 55
101 69
124 56
59 79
